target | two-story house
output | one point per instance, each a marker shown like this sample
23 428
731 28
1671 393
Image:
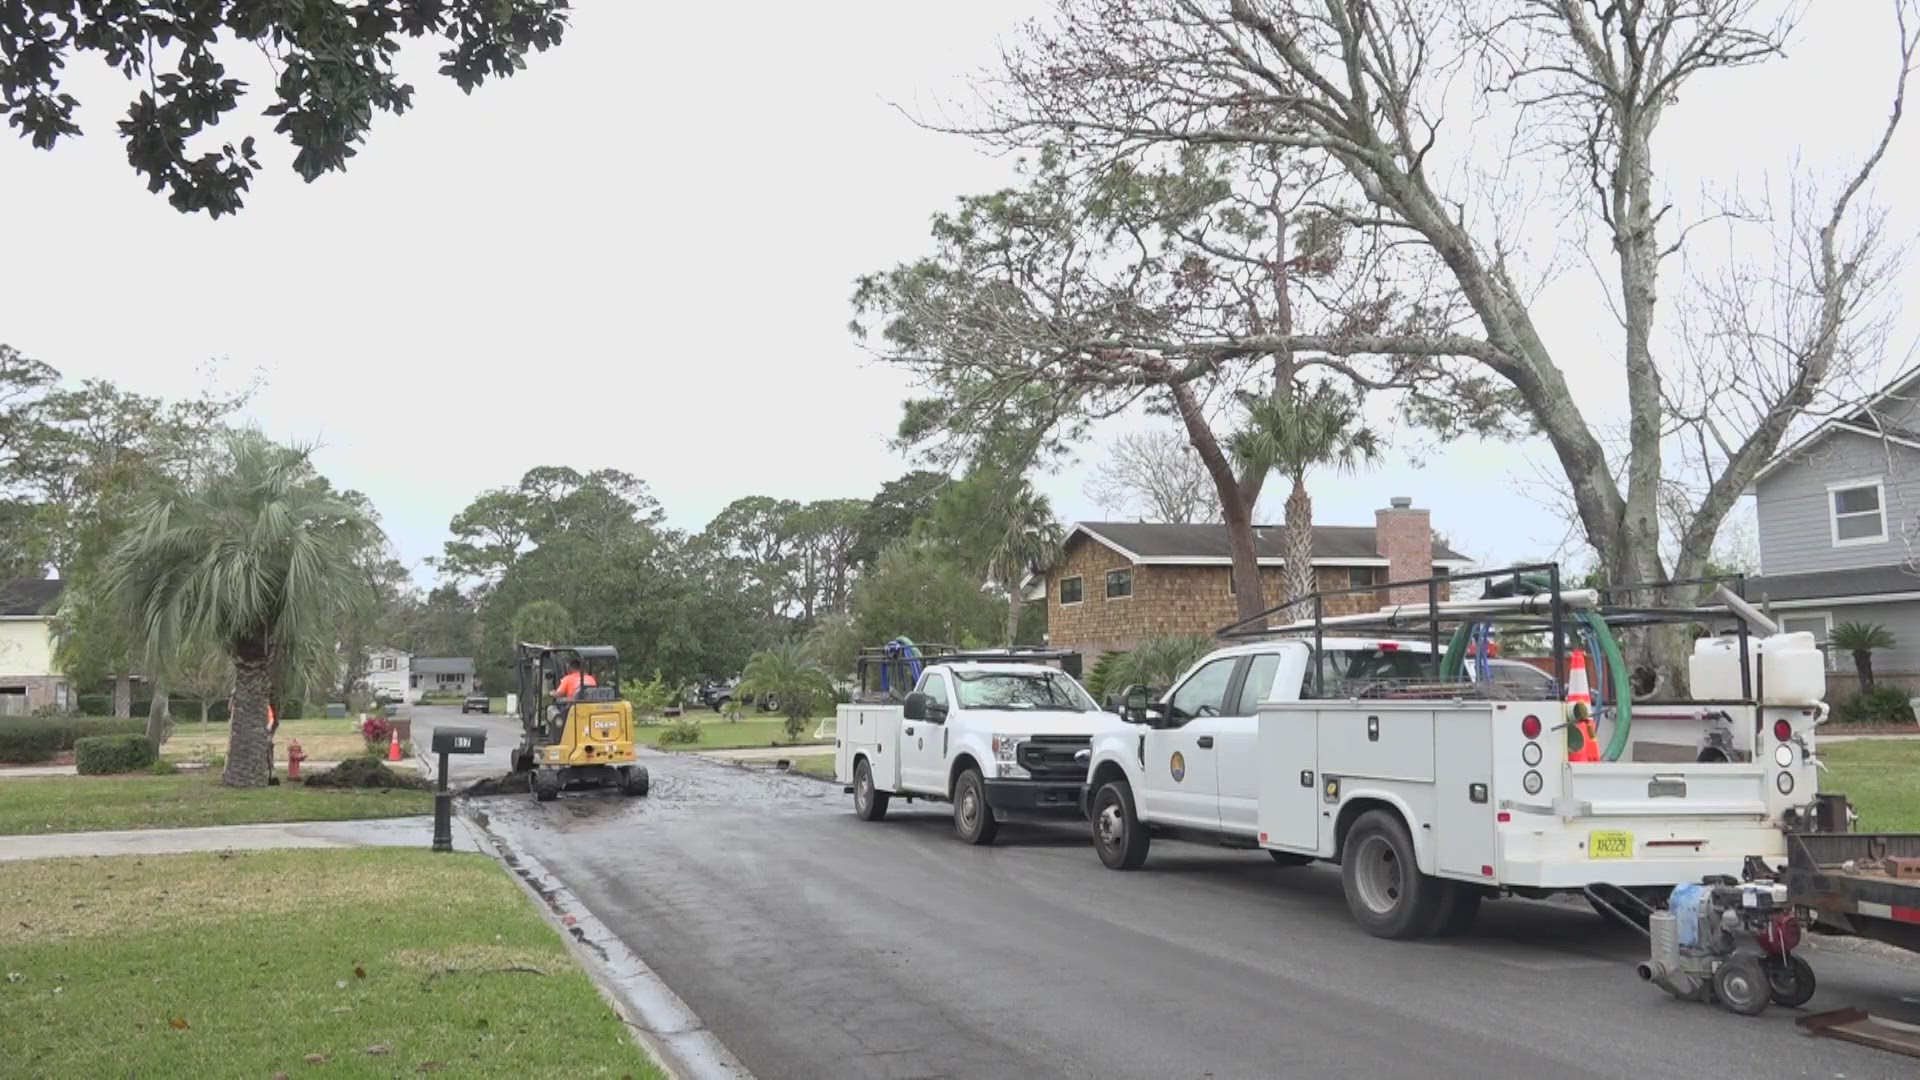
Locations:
29 680
1117 584
1839 513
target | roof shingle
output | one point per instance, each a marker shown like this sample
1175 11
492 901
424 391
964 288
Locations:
1170 543
25 597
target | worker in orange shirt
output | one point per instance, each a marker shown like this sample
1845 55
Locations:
572 681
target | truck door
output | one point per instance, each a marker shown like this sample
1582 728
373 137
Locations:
922 742
1181 773
1236 746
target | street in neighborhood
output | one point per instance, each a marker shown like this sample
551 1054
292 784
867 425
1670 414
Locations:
817 945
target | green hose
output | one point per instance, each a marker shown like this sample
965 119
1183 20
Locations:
1456 650
1622 683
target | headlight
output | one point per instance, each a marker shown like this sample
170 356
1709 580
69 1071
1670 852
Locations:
1006 748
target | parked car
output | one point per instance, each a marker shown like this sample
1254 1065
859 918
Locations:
476 702
716 695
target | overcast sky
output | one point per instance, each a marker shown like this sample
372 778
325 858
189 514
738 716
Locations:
637 254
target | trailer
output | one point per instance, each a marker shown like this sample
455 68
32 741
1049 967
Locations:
1865 884
1433 793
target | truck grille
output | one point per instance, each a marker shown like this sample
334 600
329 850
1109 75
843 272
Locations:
1055 757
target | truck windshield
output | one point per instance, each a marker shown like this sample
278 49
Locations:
1021 690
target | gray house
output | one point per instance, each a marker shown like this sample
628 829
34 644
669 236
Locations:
1839 516
442 675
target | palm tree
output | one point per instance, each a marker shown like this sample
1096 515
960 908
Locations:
791 676
1158 661
257 556
1861 639
1026 538
1295 433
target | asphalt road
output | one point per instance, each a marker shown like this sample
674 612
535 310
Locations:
817 945
503 737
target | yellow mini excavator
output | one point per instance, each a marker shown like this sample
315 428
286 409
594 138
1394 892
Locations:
577 729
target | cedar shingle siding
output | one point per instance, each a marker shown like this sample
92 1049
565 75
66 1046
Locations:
1166 599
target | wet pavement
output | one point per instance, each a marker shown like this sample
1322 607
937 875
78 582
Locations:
816 945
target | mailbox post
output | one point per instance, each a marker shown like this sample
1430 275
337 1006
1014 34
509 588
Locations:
451 740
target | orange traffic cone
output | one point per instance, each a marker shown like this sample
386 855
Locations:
1582 742
393 747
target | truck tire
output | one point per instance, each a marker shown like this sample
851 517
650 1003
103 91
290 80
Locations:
1288 858
1461 908
1118 836
1386 891
546 785
973 819
869 804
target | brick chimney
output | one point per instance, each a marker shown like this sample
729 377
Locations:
1403 536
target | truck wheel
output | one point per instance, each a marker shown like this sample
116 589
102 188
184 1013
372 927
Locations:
1386 891
1117 833
634 780
868 803
1790 982
546 785
1461 909
1741 985
1288 858
972 817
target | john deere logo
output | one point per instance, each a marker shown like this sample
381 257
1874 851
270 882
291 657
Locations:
1179 766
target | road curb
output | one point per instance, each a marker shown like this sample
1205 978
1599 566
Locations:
677 1038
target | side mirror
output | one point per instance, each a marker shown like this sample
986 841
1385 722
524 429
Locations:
917 706
1137 706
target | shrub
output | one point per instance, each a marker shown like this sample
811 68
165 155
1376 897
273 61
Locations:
682 732
1881 705
376 731
102 755
292 710
25 742
163 767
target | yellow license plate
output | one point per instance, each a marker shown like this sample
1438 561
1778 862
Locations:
1609 845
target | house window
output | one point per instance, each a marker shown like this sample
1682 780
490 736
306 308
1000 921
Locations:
1119 584
1366 577
1072 591
386 663
1819 624
448 678
1858 511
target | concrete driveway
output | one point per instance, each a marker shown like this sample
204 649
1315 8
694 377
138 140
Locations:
816 945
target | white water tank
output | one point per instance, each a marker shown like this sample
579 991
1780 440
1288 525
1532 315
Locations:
1787 669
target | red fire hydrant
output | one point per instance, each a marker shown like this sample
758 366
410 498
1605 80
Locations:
294 758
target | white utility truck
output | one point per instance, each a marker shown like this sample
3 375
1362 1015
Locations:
1434 790
1001 735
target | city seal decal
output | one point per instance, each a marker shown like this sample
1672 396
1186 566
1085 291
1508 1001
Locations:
1179 767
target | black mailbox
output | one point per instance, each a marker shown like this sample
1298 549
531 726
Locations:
451 740
459 740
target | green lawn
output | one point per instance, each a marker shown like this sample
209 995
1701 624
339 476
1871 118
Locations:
814 765
91 803
251 964
1881 777
717 734
320 739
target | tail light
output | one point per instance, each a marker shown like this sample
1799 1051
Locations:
1782 729
1530 726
